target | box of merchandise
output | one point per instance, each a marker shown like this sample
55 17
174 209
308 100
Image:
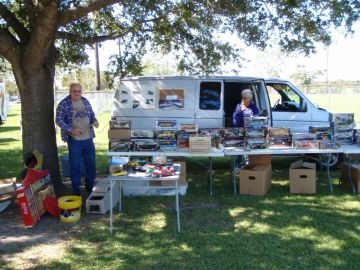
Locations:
142 134
165 125
302 177
200 143
355 176
119 134
120 124
255 179
165 134
189 128
120 145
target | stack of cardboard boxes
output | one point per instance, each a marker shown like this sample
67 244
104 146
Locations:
343 128
119 135
165 133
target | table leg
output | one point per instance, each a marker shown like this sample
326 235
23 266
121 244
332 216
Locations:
120 196
210 178
177 206
328 156
111 206
349 173
233 173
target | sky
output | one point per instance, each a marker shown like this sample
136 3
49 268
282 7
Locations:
340 61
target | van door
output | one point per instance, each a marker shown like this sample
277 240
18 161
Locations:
289 108
208 103
232 96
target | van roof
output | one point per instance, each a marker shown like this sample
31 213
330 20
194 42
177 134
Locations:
192 77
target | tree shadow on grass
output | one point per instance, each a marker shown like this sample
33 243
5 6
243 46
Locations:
9 129
10 163
5 141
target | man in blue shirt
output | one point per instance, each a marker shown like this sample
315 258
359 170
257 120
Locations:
76 118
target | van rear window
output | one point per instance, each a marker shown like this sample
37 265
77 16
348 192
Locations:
210 93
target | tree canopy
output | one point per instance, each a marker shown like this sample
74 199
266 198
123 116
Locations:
37 35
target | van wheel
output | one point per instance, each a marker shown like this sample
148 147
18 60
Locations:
333 159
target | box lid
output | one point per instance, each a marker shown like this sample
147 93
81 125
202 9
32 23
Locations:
300 164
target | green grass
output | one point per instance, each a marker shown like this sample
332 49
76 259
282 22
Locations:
339 103
276 231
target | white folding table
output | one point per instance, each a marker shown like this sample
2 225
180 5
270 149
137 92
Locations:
140 176
214 152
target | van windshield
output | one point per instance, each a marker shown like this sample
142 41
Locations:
284 99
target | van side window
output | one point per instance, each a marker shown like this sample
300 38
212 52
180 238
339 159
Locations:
210 93
285 99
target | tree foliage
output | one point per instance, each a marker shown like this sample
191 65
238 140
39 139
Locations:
189 29
36 35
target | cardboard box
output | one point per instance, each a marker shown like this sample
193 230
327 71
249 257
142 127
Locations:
113 168
119 134
355 176
200 143
255 179
302 177
260 160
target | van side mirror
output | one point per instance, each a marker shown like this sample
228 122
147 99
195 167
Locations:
303 106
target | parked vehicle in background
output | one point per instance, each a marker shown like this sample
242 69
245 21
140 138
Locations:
4 103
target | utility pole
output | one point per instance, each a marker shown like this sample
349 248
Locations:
327 76
97 67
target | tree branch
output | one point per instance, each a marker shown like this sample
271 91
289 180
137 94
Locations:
42 36
9 47
88 40
11 20
74 14
31 11
92 39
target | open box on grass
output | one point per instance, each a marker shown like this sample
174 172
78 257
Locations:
302 177
355 176
255 179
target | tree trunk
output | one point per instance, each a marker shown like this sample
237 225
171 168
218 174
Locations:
37 112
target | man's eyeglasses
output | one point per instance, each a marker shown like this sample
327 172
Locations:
244 98
76 91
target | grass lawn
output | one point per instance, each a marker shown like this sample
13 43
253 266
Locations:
277 231
339 103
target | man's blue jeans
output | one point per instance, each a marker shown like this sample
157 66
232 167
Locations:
78 151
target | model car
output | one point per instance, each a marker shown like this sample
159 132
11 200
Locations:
121 173
163 172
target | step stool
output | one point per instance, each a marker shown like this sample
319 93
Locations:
99 199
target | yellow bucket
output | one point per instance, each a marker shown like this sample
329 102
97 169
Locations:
70 208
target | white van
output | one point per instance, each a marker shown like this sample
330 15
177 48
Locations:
206 101
4 103
210 101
